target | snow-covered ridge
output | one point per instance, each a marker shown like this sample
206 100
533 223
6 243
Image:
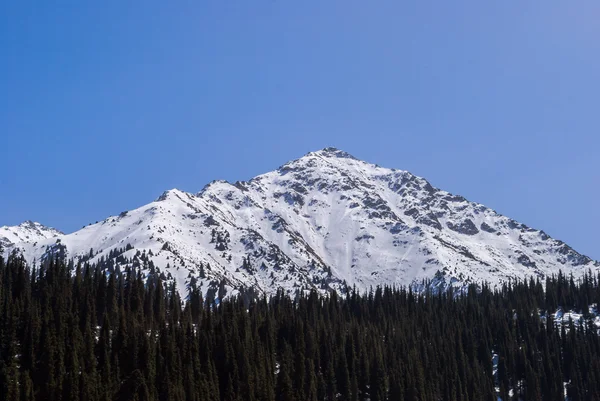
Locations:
322 221
26 232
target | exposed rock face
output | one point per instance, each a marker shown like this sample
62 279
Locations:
466 227
322 221
487 228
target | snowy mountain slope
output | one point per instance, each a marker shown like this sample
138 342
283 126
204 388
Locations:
318 222
27 232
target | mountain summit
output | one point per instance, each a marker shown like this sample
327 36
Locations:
27 231
323 221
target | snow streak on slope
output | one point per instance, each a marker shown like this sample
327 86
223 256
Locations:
322 221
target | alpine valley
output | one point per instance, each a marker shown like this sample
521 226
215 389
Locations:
325 221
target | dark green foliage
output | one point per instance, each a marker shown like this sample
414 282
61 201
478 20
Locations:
81 332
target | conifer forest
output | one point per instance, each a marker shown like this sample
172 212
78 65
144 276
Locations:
80 332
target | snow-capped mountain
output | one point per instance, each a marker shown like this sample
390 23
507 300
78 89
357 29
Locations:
27 232
323 221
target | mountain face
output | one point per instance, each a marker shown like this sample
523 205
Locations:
323 221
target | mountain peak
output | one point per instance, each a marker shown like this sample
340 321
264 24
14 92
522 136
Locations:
169 194
326 158
323 221
333 153
28 224
34 225
31 224
28 231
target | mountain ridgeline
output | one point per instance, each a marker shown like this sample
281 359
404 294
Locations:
326 221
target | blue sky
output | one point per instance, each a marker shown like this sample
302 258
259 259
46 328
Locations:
105 104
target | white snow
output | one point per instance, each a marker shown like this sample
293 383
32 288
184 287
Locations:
28 232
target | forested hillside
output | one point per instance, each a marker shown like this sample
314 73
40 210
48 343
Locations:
83 334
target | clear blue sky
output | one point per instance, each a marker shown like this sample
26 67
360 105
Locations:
105 104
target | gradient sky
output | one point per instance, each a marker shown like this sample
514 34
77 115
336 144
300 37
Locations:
105 104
